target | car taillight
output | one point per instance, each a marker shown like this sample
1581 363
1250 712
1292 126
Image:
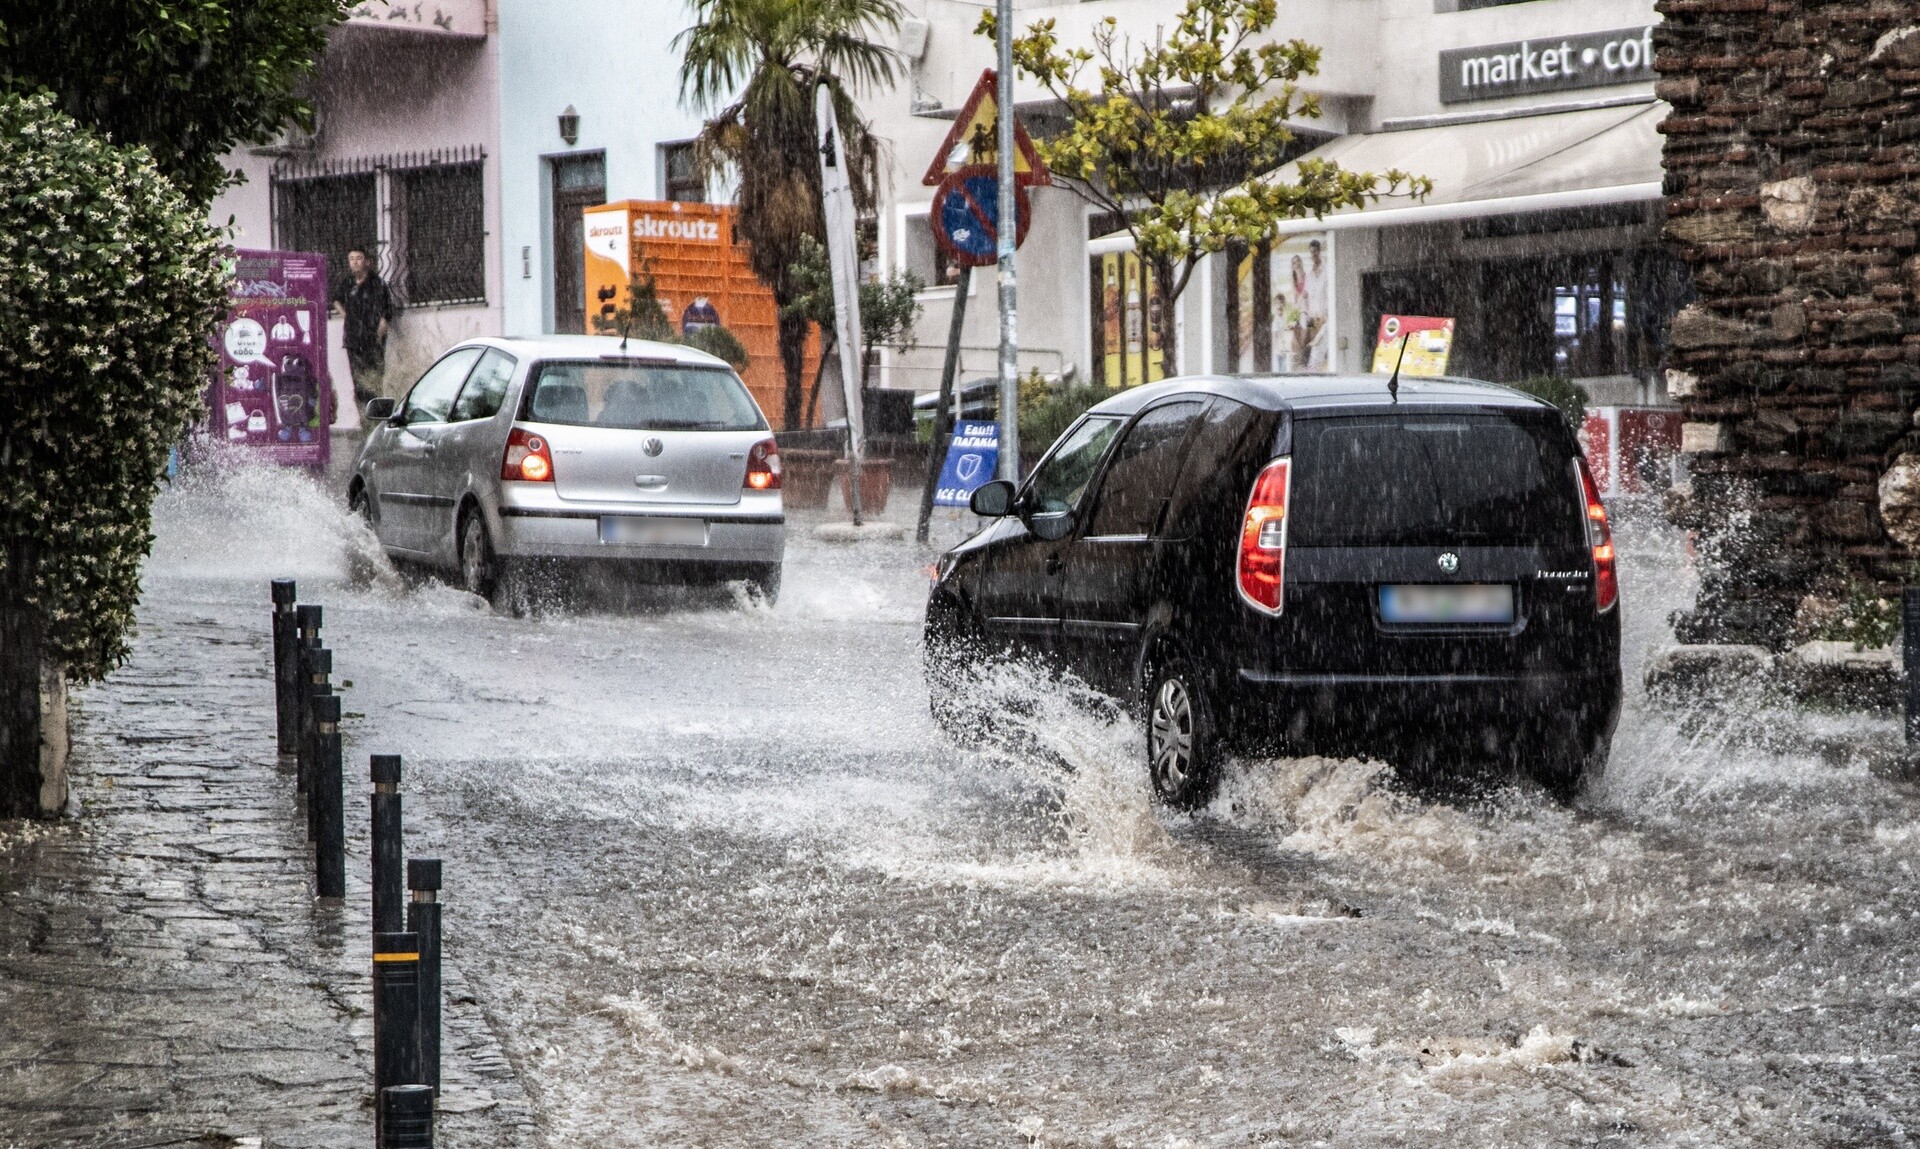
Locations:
527 459
1606 581
1263 539
763 466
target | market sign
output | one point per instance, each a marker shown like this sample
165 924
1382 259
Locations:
1558 64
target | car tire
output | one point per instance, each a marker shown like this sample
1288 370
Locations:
1182 750
763 582
954 649
479 568
1566 760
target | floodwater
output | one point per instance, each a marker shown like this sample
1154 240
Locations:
717 880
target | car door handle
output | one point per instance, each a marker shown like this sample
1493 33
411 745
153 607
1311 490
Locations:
1054 564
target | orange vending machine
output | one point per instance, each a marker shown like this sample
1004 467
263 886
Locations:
701 275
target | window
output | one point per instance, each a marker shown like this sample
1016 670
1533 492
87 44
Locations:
432 397
486 388
421 216
924 257
329 214
1063 478
680 177
1142 472
1433 480
440 213
642 396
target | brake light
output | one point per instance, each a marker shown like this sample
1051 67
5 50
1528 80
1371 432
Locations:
1263 539
528 459
763 466
1606 581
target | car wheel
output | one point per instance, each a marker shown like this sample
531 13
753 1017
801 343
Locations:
954 650
763 582
479 571
1564 761
1181 750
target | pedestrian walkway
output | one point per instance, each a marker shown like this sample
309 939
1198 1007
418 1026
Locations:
166 977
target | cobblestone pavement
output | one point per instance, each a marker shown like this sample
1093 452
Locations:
166 976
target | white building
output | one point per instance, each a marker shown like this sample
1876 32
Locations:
461 138
439 144
1535 120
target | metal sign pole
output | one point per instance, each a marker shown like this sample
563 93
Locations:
1008 228
943 414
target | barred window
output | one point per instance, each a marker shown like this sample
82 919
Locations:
328 214
445 231
421 216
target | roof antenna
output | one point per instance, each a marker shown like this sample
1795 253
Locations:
1393 381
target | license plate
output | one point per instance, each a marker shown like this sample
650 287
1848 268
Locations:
653 532
1472 603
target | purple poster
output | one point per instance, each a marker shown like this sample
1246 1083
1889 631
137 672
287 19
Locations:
273 398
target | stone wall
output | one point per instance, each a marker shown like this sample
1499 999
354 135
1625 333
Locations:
1791 154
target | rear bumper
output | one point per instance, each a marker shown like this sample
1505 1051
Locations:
1364 712
731 540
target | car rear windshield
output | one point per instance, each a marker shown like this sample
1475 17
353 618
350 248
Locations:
1496 479
640 396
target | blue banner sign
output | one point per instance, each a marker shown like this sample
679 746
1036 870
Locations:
972 458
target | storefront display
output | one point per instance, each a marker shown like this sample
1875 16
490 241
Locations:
1127 336
272 395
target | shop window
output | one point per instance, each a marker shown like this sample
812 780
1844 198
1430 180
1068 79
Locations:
924 257
680 175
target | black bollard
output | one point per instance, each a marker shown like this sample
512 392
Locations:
284 698
405 1119
1910 657
388 909
306 636
396 1006
319 665
423 919
325 806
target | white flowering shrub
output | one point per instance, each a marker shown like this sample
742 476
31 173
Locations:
111 283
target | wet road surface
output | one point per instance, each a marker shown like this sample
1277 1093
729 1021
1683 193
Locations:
716 879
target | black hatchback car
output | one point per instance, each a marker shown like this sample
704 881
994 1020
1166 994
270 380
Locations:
1305 564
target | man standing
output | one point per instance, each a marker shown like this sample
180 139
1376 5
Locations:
367 305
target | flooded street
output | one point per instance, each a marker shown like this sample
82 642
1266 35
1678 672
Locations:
716 879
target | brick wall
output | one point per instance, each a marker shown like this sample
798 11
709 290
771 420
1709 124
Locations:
1791 157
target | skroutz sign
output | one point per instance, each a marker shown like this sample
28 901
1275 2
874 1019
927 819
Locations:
1558 64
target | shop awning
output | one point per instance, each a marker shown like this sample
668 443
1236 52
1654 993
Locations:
1560 160
1496 167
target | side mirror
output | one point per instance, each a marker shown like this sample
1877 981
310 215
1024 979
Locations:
992 500
381 409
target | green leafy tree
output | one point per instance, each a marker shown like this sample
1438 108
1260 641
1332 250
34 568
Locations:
889 308
1178 137
767 57
111 286
189 79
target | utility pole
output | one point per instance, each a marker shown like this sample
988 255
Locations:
1007 223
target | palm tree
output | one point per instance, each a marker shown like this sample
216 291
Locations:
767 56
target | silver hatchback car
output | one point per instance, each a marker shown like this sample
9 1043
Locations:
575 447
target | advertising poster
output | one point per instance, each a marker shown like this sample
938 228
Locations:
1302 312
1293 309
1130 334
1429 341
972 459
273 396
